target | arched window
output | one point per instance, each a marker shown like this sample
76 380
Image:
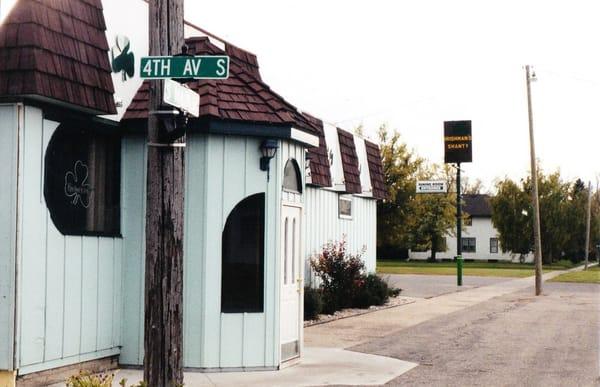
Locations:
291 177
82 181
242 281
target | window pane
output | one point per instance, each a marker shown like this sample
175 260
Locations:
293 251
494 245
82 181
291 177
468 245
242 282
285 252
345 207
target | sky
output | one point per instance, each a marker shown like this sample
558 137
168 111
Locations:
415 64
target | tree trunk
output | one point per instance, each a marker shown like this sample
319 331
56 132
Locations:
434 248
164 219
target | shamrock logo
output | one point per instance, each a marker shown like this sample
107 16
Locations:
75 185
121 59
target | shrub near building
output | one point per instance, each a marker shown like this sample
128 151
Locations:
344 283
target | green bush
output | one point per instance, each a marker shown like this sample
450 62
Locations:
373 291
313 303
339 273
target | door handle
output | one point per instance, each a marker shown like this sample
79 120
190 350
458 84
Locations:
299 282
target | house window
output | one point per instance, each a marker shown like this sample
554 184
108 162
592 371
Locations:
242 281
468 245
494 245
345 207
82 181
468 221
292 181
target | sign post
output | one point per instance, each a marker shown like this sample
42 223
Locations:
457 150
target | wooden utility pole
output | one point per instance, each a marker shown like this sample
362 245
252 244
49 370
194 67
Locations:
163 325
588 224
534 193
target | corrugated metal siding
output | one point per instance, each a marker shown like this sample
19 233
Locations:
8 223
68 300
323 225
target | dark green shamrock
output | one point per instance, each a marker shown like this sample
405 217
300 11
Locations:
124 61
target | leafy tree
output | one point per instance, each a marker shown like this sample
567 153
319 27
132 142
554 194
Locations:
400 166
433 216
554 207
511 216
562 214
474 188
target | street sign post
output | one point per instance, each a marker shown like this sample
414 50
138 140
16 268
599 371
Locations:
431 186
181 97
198 67
458 149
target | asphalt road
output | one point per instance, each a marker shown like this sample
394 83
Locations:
427 286
512 340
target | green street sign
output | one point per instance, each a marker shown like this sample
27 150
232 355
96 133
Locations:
199 67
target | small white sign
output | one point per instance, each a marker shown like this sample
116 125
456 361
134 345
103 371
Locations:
182 97
431 186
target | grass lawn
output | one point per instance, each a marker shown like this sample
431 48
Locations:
484 269
589 276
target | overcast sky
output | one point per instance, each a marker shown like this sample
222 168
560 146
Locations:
415 64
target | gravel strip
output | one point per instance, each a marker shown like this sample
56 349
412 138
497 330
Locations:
345 313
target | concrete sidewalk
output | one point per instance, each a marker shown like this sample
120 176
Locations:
356 330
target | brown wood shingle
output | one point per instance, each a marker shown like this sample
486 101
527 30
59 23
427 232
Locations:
349 162
241 97
319 159
376 171
57 49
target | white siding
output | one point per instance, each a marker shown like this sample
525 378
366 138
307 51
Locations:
67 286
220 172
8 223
482 230
323 225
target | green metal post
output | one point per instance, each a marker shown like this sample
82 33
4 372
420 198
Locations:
459 269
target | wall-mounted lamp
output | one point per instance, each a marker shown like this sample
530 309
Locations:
268 148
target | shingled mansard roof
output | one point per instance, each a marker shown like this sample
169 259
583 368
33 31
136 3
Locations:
57 49
350 163
245 97
241 97
319 158
376 170
477 205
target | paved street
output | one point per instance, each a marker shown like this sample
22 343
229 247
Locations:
515 339
427 286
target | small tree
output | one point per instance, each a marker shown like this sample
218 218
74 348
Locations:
340 274
433 216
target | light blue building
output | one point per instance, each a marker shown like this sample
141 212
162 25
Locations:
72 206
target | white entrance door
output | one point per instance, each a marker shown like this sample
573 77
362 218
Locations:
291 281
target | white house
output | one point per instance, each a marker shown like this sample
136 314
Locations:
73 114
479 238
